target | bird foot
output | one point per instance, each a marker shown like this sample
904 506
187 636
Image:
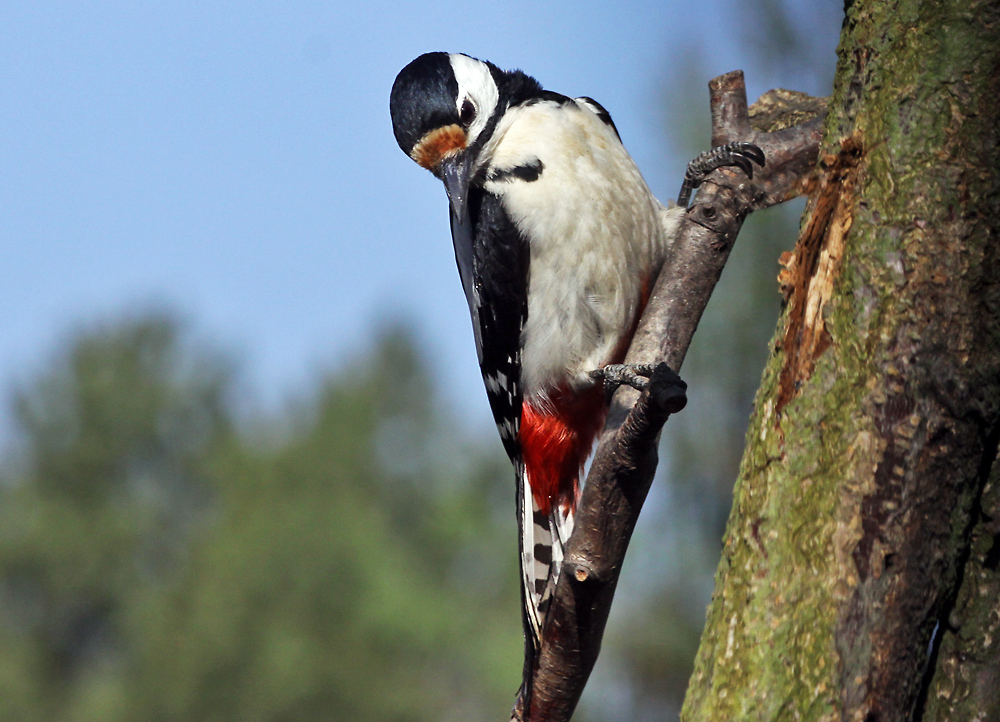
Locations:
615 375
739 155
638 376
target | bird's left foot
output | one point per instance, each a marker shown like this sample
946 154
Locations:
638 376
740 155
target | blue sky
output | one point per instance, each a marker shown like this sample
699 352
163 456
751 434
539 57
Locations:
235 162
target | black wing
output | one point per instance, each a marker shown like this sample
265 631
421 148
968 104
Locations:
492 259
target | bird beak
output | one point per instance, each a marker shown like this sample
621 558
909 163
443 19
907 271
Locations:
456 172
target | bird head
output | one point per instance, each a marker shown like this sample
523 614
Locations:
444 107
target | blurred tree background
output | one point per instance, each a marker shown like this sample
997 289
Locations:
157 564
165 557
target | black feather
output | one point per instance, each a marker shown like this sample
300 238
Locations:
527 172
499 305
422 99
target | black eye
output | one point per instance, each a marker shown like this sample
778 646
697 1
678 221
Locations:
468 113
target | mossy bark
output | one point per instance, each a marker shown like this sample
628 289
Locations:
858 524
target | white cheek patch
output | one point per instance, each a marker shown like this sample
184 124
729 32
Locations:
475 82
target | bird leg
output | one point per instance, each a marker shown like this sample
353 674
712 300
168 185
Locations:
736 154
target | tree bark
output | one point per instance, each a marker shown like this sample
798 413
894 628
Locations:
862 519
966 683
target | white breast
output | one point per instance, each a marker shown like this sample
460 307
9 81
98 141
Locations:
595 238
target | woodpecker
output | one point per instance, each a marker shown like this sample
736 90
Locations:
558 242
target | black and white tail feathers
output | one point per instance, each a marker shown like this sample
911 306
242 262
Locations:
542 542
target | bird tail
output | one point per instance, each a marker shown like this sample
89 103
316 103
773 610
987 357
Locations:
543 536
555 439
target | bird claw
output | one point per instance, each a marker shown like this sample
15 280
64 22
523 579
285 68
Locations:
736 154
639 376
615 375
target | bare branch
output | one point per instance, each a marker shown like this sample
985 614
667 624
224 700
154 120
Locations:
626 457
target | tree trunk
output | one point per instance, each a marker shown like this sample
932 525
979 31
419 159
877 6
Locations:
859 577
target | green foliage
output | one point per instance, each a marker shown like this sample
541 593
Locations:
156 564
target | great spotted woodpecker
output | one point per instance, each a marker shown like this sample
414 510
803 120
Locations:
558 242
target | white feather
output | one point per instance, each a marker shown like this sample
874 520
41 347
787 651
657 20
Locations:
530 536
476 84
595 234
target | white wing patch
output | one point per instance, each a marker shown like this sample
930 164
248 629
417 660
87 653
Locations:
504 387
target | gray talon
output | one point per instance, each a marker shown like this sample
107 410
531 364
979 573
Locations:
740 155
635 375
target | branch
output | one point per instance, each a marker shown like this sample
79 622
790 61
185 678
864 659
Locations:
626 457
